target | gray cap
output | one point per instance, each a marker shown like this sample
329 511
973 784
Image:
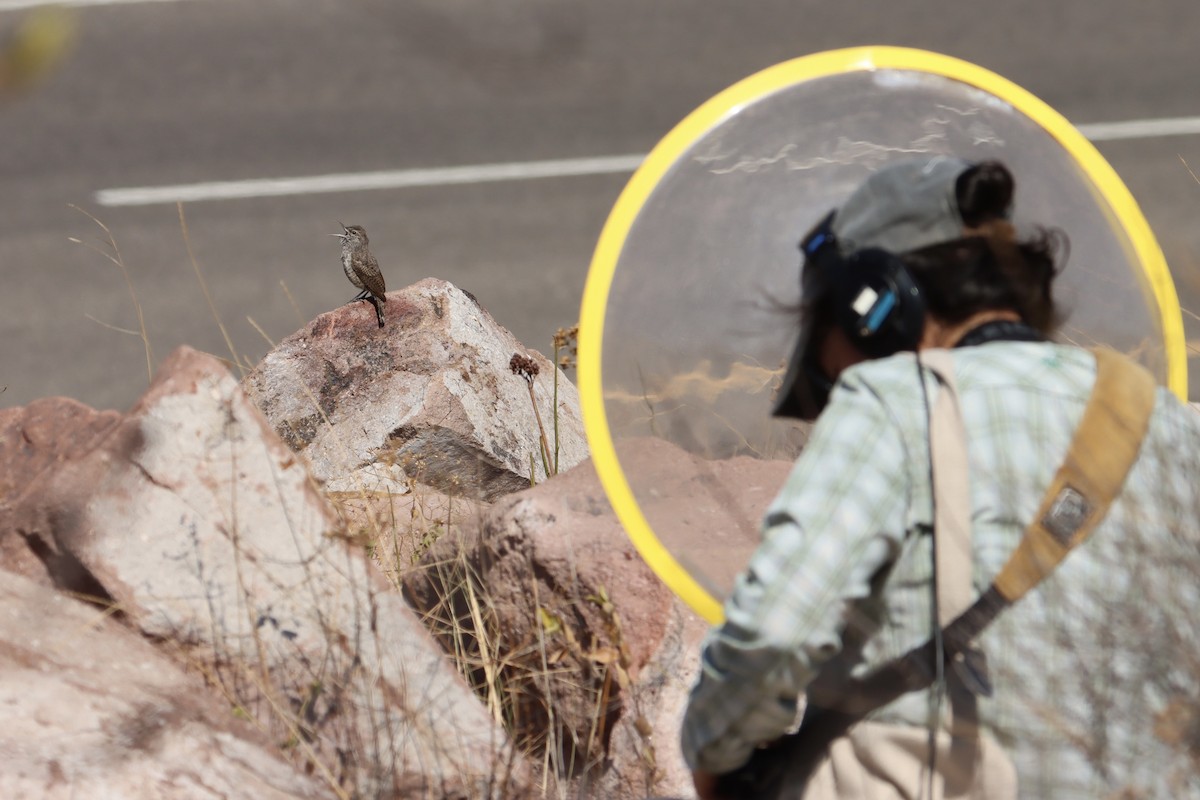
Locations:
904 206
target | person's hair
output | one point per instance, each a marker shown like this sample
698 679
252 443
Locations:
989 269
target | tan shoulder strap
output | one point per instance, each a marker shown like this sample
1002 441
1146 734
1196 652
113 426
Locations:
1105 445
951 492
1099 458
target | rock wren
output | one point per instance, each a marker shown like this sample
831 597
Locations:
361 267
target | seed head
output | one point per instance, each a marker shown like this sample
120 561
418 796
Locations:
524 366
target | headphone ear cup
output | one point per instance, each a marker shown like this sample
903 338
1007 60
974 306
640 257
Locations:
877 303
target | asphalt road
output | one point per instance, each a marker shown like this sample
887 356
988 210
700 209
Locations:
168 93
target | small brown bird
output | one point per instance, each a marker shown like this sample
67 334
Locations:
361 267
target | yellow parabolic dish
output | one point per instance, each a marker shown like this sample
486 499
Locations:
1117 208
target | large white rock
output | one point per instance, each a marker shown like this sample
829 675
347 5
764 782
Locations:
430 396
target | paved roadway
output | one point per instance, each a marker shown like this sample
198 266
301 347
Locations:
186 91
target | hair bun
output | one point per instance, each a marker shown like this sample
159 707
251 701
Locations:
984 192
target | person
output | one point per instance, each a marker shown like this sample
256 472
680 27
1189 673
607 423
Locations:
1091 674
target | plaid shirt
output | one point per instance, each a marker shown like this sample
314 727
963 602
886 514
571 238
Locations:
1094 671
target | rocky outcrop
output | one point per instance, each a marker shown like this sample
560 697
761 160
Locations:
93 710
432 397
207 542
196 526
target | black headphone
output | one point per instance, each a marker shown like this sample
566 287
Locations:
875 300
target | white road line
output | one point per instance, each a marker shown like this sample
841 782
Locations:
1141 129
359 181
21 5
487 173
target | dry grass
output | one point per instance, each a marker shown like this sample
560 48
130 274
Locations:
551 666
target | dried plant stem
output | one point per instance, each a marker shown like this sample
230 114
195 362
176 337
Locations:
1186 166
565 339
486 661
541 431
104 324
115 257
550 761
261 332
295 306
554 366
187 243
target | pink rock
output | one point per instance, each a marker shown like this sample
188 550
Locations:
33 438
44 433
